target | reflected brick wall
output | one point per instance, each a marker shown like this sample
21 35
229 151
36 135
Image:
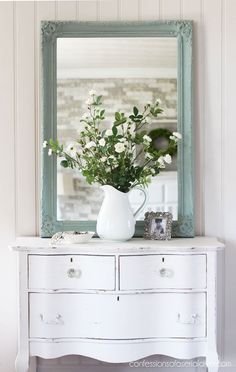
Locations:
77 199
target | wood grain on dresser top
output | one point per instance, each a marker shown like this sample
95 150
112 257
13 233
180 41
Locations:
37 245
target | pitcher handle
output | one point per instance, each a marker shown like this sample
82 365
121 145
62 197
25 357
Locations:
143 203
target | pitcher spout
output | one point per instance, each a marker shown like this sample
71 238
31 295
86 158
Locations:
110 190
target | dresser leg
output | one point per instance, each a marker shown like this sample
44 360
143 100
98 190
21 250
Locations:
212 364
212 369
22 362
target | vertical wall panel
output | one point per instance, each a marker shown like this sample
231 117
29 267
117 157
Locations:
66 10
8 307
192 9
212 116
170 9
130 10
7 108
109 10
228 171
88 10
25 119
149 9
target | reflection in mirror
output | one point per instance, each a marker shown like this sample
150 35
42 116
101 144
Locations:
127 72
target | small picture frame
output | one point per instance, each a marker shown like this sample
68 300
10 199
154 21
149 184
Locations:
157 225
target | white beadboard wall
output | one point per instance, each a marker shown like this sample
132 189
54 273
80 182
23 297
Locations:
214 122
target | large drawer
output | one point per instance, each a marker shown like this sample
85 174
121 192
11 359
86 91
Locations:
117 317
163 271
71 272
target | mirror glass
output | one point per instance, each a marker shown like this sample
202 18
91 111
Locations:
127 72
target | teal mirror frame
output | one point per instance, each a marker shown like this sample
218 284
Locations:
182 30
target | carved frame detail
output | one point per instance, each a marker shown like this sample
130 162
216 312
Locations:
182 30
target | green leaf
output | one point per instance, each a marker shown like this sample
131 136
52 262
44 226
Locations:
64 163
119 122
135 111
117 116
114 130
98 100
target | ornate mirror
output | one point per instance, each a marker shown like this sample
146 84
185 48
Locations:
128 64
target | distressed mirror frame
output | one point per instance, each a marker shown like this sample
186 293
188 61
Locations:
182 30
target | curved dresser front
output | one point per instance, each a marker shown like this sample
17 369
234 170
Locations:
119 302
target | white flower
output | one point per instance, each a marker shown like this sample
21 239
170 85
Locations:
148 156
103 159
108 132
177 135
49 152
161 162
152 170
111 157
102 142
119 147
85 116
45 143
71 150
89 101
90 144
168 159
158 101
147 139
92 92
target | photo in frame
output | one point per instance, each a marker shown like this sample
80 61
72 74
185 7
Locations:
157 225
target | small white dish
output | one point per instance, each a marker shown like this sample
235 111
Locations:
77 237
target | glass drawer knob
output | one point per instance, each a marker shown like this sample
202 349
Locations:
166 273
163 272
73 273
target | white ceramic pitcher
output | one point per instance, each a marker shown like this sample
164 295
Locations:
116 220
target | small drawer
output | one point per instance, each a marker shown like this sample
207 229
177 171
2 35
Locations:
79 272
103 316
162 271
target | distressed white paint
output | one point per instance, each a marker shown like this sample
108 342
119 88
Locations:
138 316
165 271
36 245
119 321
72 272
214 120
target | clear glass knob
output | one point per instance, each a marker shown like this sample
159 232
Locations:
73 273
166 273
163 272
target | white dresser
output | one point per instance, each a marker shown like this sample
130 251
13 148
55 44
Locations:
119 302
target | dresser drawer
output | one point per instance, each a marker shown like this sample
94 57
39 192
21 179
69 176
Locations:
110 317
71 272
162 271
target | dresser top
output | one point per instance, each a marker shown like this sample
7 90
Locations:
36 245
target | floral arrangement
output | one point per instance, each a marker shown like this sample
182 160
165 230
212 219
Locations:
120 156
